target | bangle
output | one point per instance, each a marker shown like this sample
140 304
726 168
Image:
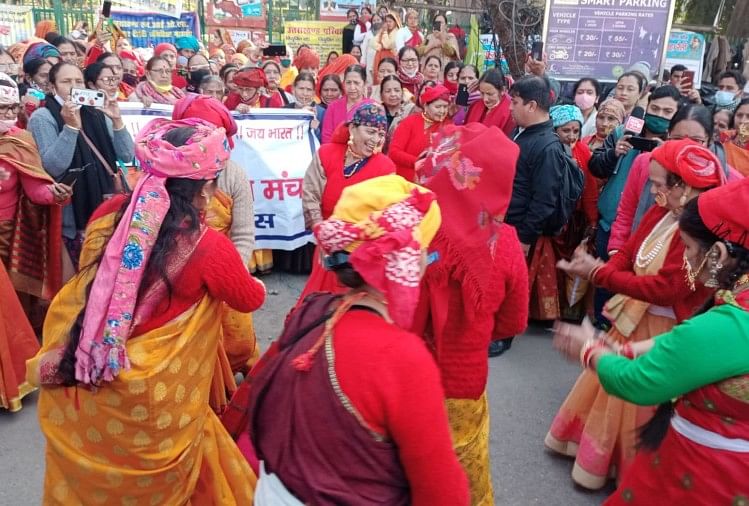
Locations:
586 353
74 129
627 351
593 272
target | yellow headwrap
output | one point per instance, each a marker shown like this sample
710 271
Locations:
384 223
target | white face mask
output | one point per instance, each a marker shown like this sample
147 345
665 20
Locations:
6 125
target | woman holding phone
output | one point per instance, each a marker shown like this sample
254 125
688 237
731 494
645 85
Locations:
69 137
440 42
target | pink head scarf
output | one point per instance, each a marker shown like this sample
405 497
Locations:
108 320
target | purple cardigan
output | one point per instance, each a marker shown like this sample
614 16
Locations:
335 115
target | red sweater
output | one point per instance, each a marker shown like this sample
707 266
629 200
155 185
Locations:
409 141
667 288
215 267
394 383
467 300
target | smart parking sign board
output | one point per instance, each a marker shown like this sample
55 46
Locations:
601 38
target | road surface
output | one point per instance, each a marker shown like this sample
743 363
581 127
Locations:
526 386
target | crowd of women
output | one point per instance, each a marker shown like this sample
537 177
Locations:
118 269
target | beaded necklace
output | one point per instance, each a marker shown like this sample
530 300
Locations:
643 260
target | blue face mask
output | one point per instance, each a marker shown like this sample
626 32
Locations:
724 98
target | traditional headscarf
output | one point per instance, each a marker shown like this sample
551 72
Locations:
307 58
250 78
243 60
107 323
8 94
433 94
563 114
723 211
614 107
208 109
471 169
44 27
129 55
164 46
187 42
40 50
369 114
384 223
696 165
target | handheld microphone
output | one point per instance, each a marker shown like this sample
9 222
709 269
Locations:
636 122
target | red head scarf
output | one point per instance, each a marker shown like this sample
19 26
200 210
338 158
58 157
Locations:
164 46
723 211
471 169
129 55
250 78
338 67
208 109
434 93
694 163
307 58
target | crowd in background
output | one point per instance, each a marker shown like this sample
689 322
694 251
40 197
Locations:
450 206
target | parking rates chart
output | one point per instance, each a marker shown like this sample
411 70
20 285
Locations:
601 38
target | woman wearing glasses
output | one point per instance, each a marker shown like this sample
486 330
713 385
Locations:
102 78
158 87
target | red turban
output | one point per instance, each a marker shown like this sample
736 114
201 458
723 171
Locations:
250 78
307 58
723 211
692 162
434 93
208 109
164 46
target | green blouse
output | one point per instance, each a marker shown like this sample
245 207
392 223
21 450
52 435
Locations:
703 350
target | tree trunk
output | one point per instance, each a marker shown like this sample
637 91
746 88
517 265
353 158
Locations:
738 27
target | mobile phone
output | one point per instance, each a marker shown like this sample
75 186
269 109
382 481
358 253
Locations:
462 97
687 82
437 26
106 8
537 50
92 98
643 144
275 50
71 176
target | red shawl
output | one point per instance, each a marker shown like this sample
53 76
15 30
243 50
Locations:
416 39
499 116
36 248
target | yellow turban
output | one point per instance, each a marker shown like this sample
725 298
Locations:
384 223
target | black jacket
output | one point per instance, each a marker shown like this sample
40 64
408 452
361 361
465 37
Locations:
538 181
348 38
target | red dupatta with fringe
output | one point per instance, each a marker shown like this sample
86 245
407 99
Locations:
35 264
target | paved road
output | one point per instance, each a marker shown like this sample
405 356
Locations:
525 388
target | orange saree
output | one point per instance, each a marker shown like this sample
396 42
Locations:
149 436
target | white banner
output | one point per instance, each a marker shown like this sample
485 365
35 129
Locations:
274 147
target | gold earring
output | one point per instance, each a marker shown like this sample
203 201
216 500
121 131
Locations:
715 268
689 275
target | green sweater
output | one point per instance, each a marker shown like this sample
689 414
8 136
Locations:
703 350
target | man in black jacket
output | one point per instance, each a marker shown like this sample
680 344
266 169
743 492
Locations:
541 165
348 30
538 176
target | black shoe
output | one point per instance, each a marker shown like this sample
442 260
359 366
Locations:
496 348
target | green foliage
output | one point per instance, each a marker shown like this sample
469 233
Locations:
702 12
